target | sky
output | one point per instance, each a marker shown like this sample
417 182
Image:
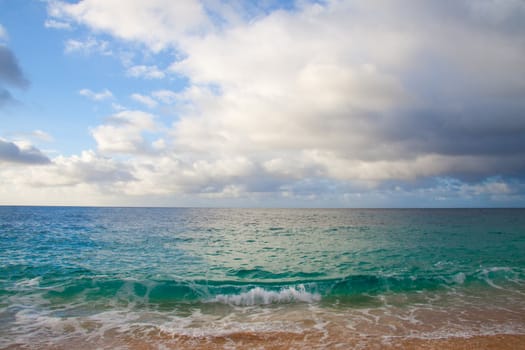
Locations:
264 103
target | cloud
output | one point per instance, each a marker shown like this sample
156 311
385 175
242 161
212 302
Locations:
359 98
88 167
147 72
5 97
161 21
165 96
10 71
51 23
166 174
35 135
11 74
3 33
124 133
42 135
323 98
11 152
117 107
88 46
82 179
97 96
145 100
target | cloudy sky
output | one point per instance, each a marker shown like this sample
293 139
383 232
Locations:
264 103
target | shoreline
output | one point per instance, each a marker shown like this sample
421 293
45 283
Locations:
272 341
286 340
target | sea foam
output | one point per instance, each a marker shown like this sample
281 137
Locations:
261 296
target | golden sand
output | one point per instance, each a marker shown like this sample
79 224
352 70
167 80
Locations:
293 341
285 340
426 329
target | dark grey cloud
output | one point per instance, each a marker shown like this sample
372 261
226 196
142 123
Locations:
10 152
5 97
466 79
11 75
10 71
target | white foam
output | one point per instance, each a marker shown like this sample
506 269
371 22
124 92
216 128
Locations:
496 269
459 278
485 274
28 283
260 296
43 327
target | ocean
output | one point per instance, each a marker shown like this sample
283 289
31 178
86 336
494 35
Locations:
194 278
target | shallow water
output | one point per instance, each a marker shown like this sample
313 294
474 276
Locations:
165 276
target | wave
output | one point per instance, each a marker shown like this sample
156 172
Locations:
261 274
260 296
299 288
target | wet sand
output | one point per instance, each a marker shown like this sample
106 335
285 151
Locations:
285 340
294 341
300 326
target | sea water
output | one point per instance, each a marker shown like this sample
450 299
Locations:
182 277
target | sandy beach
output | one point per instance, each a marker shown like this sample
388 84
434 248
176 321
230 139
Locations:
275 341
286 340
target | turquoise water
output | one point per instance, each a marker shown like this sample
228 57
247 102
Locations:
79 272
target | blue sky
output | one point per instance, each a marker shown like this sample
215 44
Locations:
275 103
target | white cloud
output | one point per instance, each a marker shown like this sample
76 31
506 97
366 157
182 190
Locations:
157 23
336 92
87 47
3 33
168 174
81 179
165 96
31 137
148 72
96 96
123 133
88 167
51 23
117 107
42 136
145 100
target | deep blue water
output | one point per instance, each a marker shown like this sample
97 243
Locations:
72 263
